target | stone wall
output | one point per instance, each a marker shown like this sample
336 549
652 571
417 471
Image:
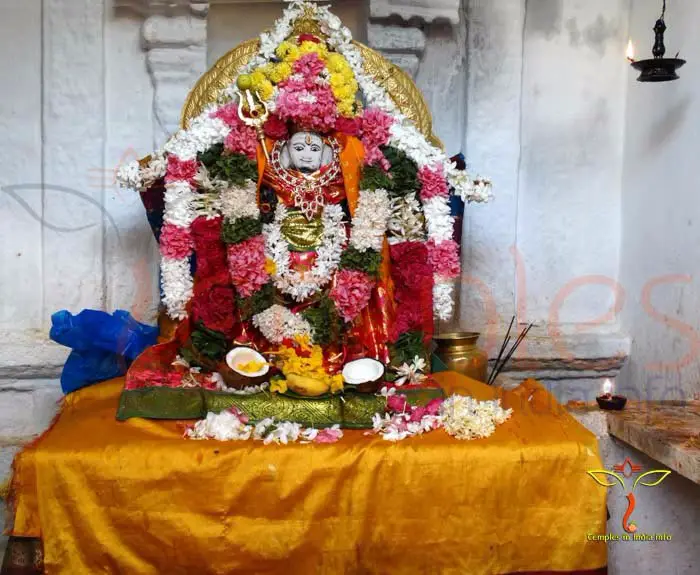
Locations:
661 229
533 92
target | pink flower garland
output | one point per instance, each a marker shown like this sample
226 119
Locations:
433 183
305 101
313 109
444 258
309 66
398 404
241 139
351 293
376 131
246 264
180 170
175 242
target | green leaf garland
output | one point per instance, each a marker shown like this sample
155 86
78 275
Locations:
209 343
236 169
240 230
373 178
325 322
404 172
256 303
368 261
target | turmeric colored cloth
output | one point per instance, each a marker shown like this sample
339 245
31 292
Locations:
134 497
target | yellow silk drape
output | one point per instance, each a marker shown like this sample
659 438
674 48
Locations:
134 497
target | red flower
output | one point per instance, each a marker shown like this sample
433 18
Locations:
433 406
180 169
210 250
175 242
275 128
349 126
417 413
308 38
214 303
413 279
154 378
410 264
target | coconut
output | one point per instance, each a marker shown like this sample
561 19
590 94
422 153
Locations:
364 375
245 367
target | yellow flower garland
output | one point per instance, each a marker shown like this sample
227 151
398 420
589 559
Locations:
342 80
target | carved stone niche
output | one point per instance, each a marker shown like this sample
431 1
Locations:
404 44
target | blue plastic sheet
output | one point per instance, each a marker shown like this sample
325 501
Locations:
103 345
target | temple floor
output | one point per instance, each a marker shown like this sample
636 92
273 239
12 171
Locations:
135 497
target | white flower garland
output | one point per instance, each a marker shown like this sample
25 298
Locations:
443 299
407 220
179 209
464 417
232 425
240 201
301 286
460 416
369 223
129 176
438 220
177 285
278 323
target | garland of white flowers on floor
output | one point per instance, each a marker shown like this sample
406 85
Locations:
462 417
206 130
233 425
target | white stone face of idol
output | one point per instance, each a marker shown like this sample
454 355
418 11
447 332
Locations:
305 151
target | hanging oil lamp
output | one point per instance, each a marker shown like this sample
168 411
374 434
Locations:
658 68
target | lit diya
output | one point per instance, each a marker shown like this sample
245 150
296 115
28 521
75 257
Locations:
608 401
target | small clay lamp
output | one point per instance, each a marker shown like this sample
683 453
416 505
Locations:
608 401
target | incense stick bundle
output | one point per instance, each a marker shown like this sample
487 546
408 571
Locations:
501 363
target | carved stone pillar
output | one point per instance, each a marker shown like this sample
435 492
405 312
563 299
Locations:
175 40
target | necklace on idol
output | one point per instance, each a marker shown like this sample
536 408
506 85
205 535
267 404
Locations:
302 285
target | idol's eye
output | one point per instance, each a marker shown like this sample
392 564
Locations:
315 149
299 148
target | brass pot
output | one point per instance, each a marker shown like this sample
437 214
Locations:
459 352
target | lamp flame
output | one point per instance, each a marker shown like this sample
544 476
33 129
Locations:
630 50
607 387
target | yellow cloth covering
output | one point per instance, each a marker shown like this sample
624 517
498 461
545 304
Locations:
135 498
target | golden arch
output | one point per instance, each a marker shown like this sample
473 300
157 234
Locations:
395 81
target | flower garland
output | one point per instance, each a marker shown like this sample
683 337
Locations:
369 222
234 425
299 76
277 323
302 285
460 416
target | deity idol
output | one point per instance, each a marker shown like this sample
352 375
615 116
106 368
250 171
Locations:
304 230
